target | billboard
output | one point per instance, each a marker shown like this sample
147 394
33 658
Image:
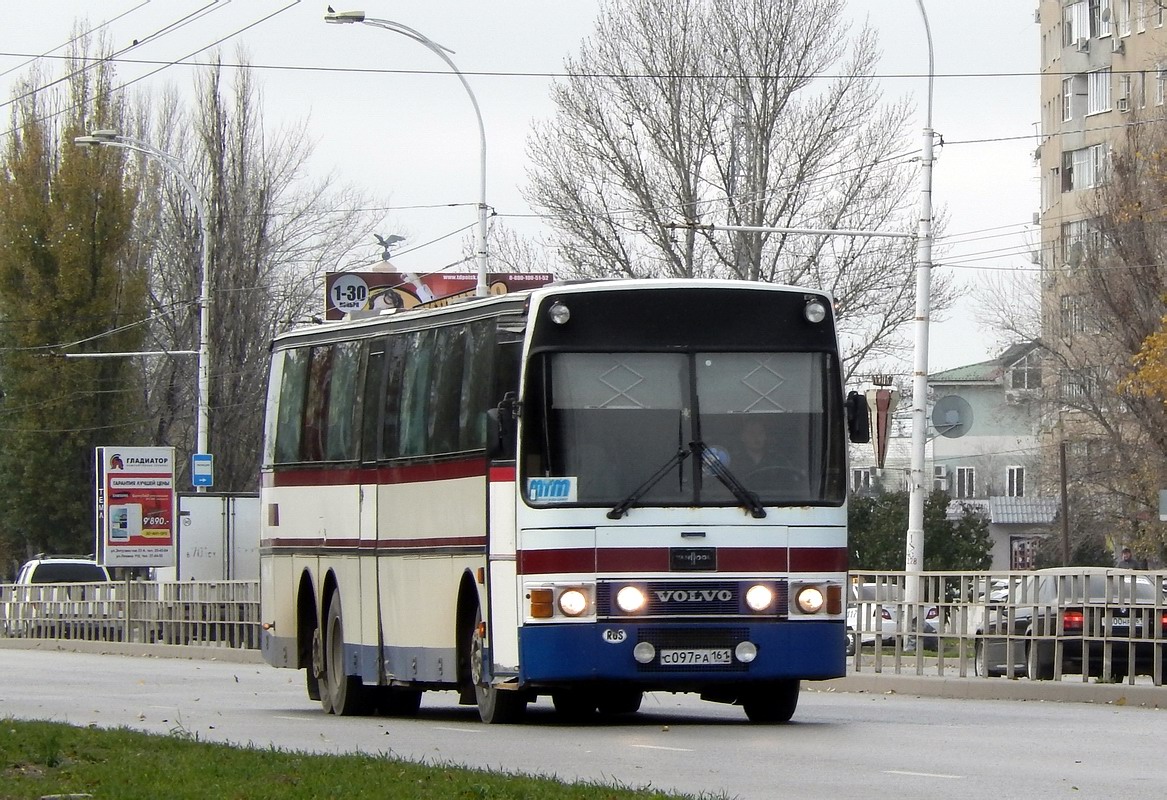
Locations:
353 292
135 506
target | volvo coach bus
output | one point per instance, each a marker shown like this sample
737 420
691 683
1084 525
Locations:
584 491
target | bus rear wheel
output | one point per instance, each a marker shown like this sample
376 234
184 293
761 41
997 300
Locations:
495 706
341 694
773 702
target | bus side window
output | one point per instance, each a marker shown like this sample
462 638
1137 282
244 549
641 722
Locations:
396 348
289 427
343 403
415 394
372 401
478 367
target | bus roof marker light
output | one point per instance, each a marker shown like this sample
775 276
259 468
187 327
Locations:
559 313
815 311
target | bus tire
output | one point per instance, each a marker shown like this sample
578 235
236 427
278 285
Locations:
620 701
495 706
315 682
345 694
772 702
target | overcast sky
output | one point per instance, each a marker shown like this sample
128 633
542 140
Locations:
384 117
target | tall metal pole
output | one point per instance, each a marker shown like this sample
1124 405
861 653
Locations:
342 17
111 138
914 546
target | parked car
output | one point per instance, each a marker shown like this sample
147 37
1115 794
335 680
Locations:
1074 612
873 611
53 595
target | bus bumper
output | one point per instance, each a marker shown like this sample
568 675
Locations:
604 651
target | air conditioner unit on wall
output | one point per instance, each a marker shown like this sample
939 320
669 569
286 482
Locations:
1083 44
1118 46
940 478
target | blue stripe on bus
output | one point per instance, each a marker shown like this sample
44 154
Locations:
584 652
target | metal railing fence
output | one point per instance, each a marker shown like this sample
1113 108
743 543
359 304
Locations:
1106 624
212 613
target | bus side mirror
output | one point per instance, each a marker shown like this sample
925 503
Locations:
500 428
858 420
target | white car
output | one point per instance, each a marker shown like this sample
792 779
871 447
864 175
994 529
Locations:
52 594
873 611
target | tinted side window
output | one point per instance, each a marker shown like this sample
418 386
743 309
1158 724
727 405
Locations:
291 405
477 369
396 350
343 403
315 420
415 392
373 400
445 399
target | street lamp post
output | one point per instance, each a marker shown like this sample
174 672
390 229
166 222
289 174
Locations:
914 545
343 17
111 138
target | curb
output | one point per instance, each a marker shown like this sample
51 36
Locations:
191 652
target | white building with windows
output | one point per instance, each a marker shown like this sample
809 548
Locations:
987 452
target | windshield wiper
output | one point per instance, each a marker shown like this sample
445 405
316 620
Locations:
621 508
720 471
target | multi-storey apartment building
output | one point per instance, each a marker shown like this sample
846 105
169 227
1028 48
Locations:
1103 77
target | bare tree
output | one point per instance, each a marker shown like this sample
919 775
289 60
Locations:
741 112
274 234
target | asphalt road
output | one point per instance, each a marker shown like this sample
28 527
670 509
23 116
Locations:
874 742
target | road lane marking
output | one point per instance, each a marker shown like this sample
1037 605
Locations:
657 747
921 774
458 730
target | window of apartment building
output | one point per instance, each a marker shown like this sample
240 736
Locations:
1125 82
1122 9
1075 23
1098 91
861 479
1078 387
1073 314
1026 373
1160 14
1074 93
1077 240
1160 76
1141 16
966 483
1015 481
1084 168
1099 22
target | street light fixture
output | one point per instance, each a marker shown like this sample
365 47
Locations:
112 138
345 17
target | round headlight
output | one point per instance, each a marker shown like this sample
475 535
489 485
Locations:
630 599
815 311
559 313
573 602
644 652
810 599
759 597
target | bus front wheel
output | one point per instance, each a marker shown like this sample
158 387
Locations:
773 702
495 706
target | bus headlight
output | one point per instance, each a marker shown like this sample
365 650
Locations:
815 311
810 599
759 597
559 313
630 599
573 602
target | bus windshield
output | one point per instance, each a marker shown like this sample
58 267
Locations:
676 429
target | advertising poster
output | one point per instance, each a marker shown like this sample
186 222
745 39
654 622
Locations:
135 506
352 292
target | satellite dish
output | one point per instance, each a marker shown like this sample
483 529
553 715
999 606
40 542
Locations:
952 416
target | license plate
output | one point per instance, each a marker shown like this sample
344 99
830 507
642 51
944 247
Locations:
694 657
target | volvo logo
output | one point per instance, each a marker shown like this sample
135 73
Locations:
694 595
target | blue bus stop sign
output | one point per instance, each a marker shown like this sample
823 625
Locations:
202 469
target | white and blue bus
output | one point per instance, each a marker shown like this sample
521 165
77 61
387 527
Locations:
584 491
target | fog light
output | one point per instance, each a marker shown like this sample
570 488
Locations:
644 653
810 599
745 652
630 599
759 597
559 313
573 602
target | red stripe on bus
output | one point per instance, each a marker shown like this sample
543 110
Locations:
352 476
502 474
382 545
656 559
